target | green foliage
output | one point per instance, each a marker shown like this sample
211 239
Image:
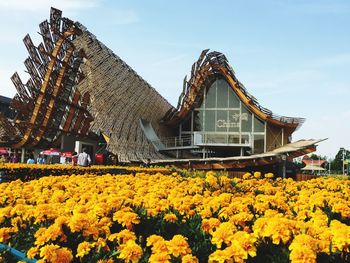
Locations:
337 163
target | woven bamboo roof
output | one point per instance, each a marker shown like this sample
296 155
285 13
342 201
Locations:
8 132
120 98
203 73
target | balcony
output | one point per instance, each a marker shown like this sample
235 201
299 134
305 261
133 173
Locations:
205 139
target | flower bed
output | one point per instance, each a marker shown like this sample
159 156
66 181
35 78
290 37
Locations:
159 218
26 172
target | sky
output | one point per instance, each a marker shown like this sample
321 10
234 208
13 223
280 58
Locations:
292 55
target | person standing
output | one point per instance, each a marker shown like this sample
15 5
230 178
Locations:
84 159
40 160
74 159
31 159
14 158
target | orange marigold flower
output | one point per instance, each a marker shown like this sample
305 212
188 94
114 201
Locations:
5 234
162 257
84 248
210 224
247 176
32 252
64 255
178 246
302 255
125 235
218 256
127 219
257 175
55 254
170 217
189 259
130 251
223 234
269 175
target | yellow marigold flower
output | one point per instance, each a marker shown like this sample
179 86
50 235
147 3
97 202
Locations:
112 237
32 252
127 219
105 260
236 252
223 234
302 241
158 244
189 259
78 222
241 218
64 255
210 224
341 236
5 234
269 175
247 176
247 242
125 235
130 251
170 217
257 175
178 246
212 180
218 256
84 248
162 257
55 254
44 235
102 244
278 229
92 230
206 213
302 255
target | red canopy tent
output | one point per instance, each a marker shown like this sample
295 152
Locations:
51 152
3 150
67 154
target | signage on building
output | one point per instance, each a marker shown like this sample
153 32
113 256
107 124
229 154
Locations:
233 122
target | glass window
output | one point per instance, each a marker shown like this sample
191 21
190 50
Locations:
246 120
210 101
233 138
259 125
217 138
259 143
245 139
221 121
234 102
198 122
209 121
222 94
233 120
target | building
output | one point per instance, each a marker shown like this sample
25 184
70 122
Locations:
82 94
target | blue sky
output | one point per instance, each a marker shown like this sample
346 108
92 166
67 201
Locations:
293 56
